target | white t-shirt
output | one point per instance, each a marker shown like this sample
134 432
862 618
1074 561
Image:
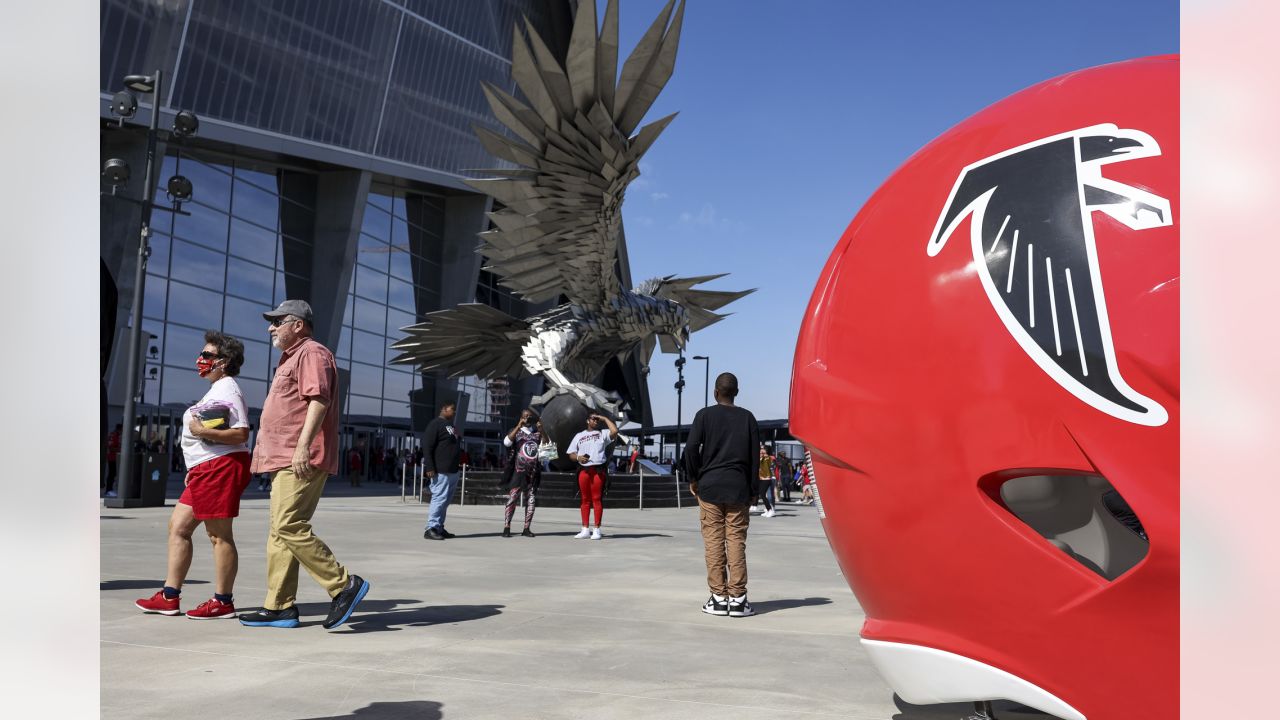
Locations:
196 450
591 443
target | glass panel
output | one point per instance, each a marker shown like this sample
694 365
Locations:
398 320
344 343
370 316
252 203
400 266
380 200
194 306
204 225
376 223
153 297
367 347
198 265
254 391
208 184
151 384
371 284
251 281
183 387
373 252
366 379
346 310
397 386
253 242
262 178
256 357
360 405
181 345
401 296
397 409
152 327
158 263
243 318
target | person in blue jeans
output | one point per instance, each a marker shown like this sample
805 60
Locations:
440 457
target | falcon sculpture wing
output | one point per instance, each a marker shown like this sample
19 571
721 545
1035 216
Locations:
575 154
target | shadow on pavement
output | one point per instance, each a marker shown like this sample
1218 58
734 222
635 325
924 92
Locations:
409 710
767 606
142 584
515 533
1004 710
114 517
390 615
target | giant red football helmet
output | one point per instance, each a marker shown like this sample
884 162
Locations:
987 383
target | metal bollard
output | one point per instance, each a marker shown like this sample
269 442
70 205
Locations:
677 476
404 475
462 493
642 487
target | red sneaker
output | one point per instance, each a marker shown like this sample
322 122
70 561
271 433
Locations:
158 603
212 609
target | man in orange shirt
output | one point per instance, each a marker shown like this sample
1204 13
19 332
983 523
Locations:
298 446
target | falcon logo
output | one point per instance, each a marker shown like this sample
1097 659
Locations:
1034 249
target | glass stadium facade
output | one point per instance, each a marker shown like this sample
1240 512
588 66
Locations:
335 138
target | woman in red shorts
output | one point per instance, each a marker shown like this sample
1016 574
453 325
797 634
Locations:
215 437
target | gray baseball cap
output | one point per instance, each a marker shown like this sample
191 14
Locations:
296 308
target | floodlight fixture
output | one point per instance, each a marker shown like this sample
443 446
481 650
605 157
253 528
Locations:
115 172
140 83
124 105
179 189
185 124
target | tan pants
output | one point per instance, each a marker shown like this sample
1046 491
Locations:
724 533
291 542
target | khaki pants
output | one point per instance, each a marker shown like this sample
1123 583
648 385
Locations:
724 533
291 542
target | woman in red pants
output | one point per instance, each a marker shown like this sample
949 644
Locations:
588 450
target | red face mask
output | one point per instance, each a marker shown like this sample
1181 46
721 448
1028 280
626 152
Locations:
203 366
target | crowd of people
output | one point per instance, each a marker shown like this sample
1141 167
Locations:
296 451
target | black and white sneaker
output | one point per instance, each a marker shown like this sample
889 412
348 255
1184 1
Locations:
716 605
739 607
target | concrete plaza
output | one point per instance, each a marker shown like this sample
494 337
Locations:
483 626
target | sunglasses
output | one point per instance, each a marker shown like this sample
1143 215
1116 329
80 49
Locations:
277 322
206 355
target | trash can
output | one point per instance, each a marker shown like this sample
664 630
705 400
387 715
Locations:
150 480
155 478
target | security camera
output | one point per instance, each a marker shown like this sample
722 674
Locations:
115 172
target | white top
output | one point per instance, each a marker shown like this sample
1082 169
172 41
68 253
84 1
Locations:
591 443
196 450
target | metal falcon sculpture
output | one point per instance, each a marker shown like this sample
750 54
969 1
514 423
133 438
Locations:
558 229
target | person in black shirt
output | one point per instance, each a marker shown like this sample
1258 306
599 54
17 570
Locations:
440 462
722 460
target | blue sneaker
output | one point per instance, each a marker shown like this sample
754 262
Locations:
262 617
345 602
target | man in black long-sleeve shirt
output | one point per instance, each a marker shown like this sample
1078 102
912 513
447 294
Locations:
722 460
440 464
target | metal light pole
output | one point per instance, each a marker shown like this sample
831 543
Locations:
706 378
125 482
680 361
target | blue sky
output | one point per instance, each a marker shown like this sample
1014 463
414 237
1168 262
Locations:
792 114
